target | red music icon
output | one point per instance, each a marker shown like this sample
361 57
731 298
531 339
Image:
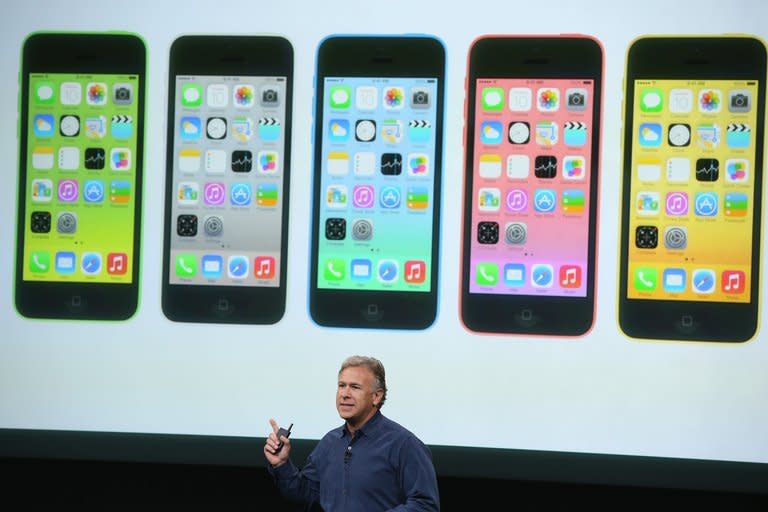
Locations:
570 276
733 281
264 267
117 263
415 271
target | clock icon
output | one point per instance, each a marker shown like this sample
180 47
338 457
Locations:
365 130
69 126
216 128
519 132
679 135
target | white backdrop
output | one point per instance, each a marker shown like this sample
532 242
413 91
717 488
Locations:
603 393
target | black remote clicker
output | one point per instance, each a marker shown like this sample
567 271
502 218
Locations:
280 433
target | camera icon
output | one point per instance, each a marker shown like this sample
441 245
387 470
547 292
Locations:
420 97
576 99
270 97
739 100
122 94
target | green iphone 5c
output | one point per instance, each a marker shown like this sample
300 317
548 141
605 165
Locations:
80 176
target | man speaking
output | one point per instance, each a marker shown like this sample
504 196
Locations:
368 464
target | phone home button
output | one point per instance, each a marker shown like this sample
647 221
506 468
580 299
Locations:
222 307
372 313
76 304
686 324
526 318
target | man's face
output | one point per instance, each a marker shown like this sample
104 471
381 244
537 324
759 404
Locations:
355 395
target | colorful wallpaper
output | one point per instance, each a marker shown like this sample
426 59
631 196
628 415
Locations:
228 170
530 193
690 223
81 178
377 184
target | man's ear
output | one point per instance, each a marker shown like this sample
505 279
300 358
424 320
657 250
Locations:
377 396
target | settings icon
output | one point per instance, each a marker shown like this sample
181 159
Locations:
516 233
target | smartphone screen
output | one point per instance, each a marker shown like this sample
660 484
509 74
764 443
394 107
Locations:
377 181
377 184
692 190
80 191
228 149
531 194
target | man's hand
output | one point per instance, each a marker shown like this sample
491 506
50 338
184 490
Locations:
270 447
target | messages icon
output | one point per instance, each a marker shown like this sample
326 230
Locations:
44 94
493 99
651 99
340 96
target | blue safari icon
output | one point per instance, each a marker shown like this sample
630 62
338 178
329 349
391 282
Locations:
387 271
542 276
703 280
237 267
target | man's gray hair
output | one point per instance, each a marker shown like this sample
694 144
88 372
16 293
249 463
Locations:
373 364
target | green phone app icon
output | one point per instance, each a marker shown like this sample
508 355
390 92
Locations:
186 265
646 279
39 262
340 96
45 92
487 274
651 99
333 270
191 95
493 99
